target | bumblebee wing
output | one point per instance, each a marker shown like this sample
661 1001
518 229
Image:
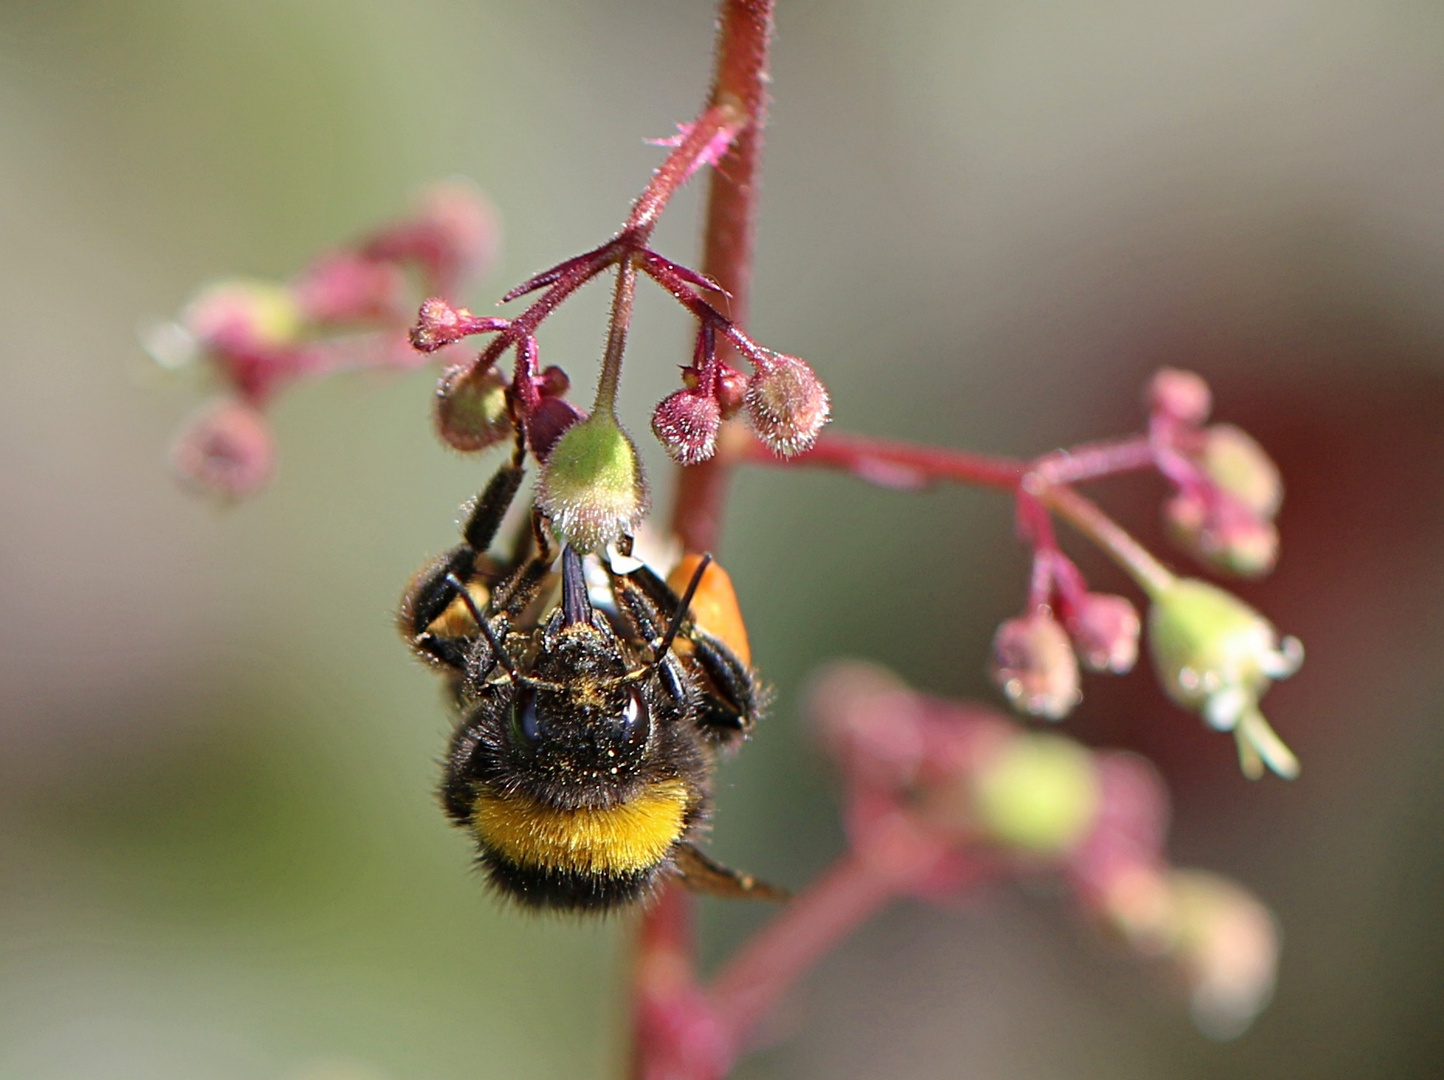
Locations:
703 874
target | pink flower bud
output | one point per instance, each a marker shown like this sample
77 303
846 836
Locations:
452 235
227 449
548 422
1034 665
345 287
1222 532
1181 395
242 314
1105 630
786 403
1226 944
439 324
686 423
731 391
471 409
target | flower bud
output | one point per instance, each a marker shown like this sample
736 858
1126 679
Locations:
591 484
452 234
1181 395
547 422
1221 532
241 313
347 287
471 409
227 449
731 391
786 403
1105 629
1037 793
686 424
1215 654
870 722
1226 944
1240 466
1034 665
439 324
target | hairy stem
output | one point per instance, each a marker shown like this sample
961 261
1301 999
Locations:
622 298
1135 560
744 34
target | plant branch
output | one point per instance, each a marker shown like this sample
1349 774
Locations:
744 35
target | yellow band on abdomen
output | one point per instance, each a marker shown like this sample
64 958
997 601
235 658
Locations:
633 836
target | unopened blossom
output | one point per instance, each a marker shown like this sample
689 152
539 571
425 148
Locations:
592 485
686 423
1033 664
1215 654
1105 630
786 404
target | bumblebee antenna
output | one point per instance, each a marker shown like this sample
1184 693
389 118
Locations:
486 631
682 605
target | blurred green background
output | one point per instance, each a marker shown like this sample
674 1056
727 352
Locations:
985 223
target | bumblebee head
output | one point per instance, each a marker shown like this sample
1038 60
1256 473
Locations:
581 718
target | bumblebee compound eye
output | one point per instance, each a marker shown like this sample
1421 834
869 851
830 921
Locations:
526 728
634 725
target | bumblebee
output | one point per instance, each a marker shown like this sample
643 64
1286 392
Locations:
587 731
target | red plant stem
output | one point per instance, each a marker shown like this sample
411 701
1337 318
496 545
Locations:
744 34
853 453
739 96
1043 481
722 116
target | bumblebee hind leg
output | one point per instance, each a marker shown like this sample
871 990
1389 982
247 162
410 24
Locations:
703 874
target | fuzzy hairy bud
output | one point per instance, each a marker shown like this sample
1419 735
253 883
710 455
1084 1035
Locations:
592 485
1234 461
686 423
471 409
1215 654
1221 532
1181 395
786 403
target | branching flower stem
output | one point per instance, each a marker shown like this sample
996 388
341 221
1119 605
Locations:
1044 483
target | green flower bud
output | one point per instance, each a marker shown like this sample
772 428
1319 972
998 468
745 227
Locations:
592 485
1216 655
1241 467
1039 793
471 411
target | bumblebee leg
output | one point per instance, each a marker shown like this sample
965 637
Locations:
491 506
703 874
731 712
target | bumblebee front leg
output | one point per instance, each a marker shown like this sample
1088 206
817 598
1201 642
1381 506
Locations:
430 619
